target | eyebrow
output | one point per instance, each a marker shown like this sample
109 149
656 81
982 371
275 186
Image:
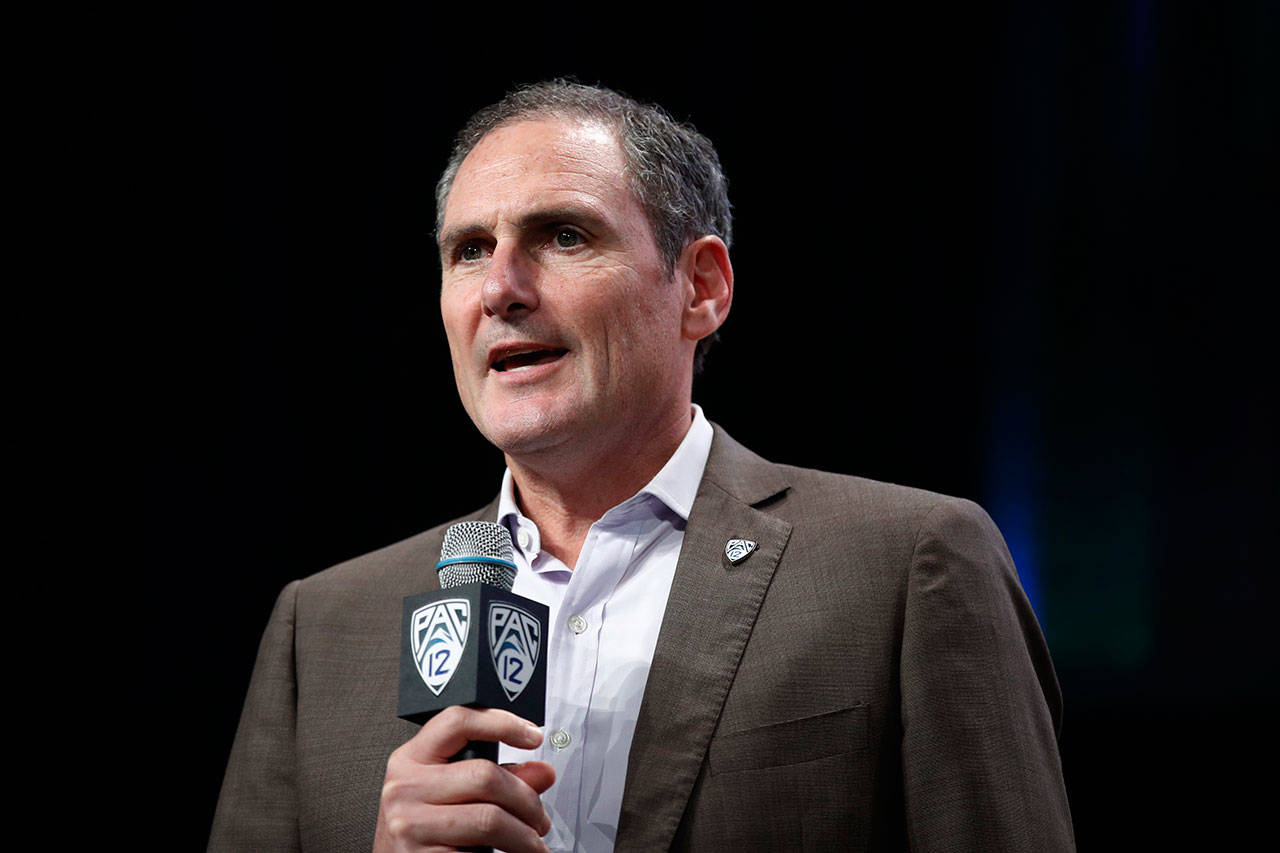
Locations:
575 214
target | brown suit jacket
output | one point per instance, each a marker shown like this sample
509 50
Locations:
871 678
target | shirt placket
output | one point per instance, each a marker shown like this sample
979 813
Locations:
576 654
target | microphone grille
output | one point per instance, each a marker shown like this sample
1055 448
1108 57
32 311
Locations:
476 551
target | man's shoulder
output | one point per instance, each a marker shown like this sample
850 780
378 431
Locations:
812 494
865 495
886 530
873 510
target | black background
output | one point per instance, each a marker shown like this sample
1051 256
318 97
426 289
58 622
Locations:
1018 253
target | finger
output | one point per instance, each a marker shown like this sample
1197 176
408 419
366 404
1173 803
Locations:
474 781
445 734
470 825
538 775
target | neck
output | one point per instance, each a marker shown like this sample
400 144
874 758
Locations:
565 493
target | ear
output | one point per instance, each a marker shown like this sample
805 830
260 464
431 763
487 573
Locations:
706 276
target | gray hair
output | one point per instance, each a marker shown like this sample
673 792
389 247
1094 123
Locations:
673 169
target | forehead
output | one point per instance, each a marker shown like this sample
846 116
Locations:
543 162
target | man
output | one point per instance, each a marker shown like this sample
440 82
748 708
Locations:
741 654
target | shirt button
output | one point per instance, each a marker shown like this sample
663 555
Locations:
524 539
577 624
560 739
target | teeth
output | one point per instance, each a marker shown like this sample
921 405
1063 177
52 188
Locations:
524 359
514 361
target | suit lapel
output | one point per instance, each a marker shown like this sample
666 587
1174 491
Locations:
710 613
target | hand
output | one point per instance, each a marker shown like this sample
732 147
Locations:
430 804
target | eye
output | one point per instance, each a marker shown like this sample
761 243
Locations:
567 238
470 251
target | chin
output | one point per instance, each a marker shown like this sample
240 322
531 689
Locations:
525 430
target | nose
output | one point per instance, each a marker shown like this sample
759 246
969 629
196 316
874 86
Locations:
510 285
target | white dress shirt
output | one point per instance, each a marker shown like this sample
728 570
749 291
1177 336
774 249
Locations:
605 616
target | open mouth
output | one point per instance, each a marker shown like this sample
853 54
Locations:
526 359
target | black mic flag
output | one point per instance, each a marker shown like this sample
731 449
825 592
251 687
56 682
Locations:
473 641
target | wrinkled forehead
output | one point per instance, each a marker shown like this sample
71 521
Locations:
549 132
544 161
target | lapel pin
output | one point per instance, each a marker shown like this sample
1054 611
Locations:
738 550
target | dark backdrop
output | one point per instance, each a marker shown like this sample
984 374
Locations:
1018 254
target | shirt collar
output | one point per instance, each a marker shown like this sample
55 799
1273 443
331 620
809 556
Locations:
676 485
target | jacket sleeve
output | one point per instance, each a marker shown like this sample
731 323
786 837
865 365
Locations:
258 807
981 708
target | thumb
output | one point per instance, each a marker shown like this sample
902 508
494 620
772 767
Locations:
538 775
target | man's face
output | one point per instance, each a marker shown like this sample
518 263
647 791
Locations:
563 324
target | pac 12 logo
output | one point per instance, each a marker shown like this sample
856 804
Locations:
438 633
514 638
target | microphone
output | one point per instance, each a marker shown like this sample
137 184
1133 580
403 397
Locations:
473 641
476 551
